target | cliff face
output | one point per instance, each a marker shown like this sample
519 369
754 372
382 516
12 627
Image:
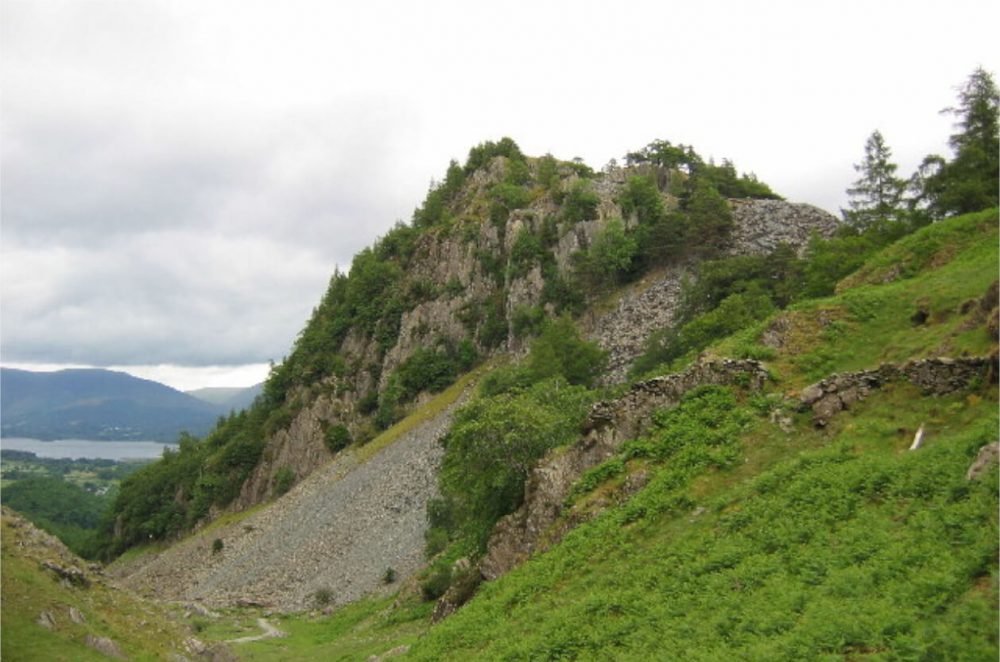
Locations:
476 280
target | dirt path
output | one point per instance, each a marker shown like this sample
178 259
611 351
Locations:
269 632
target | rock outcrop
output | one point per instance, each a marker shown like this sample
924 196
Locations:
988 456
759 227
608 425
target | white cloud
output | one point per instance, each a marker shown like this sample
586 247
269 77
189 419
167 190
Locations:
180 178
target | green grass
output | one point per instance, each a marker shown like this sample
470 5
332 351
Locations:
854 549
873 322
143 630
353 632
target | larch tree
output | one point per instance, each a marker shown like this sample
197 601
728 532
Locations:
971 180
876 198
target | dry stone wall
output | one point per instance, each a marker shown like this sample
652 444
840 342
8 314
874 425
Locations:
936 376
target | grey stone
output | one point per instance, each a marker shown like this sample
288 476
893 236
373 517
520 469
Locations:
104 645
987 456
46 620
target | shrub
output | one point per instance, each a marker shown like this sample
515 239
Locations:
611 257
580 203
525 253
337 437
322 597
560 351
217 545
548 172
389 576
527 320
437 581
505 198
284 478
425 370
493 444
368 403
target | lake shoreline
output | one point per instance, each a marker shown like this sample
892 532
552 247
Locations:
87 448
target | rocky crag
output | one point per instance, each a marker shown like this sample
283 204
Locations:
460 265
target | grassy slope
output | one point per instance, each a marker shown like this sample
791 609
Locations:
813 544
144 631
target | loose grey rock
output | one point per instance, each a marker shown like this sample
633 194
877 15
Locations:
104 645
338 529
988 455
46 620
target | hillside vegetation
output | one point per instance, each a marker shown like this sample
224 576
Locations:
736 527
691 420
55 607
502 244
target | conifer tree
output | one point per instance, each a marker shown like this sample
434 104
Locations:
876 198
970 181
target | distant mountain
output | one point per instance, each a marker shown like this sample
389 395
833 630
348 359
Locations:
228 399
97 404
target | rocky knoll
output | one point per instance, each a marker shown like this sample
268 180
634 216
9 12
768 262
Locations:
334 536
608 425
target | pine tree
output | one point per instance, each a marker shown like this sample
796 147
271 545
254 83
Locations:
877 197
970 181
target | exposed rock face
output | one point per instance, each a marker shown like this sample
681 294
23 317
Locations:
466 270
609 424
760 226
337 531
624 331
935 376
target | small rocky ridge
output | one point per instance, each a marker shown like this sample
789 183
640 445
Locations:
608 425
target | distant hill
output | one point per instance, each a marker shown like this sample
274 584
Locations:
97 404
228 399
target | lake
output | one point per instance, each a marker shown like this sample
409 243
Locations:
82 448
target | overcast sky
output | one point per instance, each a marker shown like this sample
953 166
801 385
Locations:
180 178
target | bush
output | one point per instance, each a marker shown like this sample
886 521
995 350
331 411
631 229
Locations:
437 581
425 370
527 320
525 253
217 545
610 259
559 351
493 444
284 478
505 198
580 203
337 437
322 597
